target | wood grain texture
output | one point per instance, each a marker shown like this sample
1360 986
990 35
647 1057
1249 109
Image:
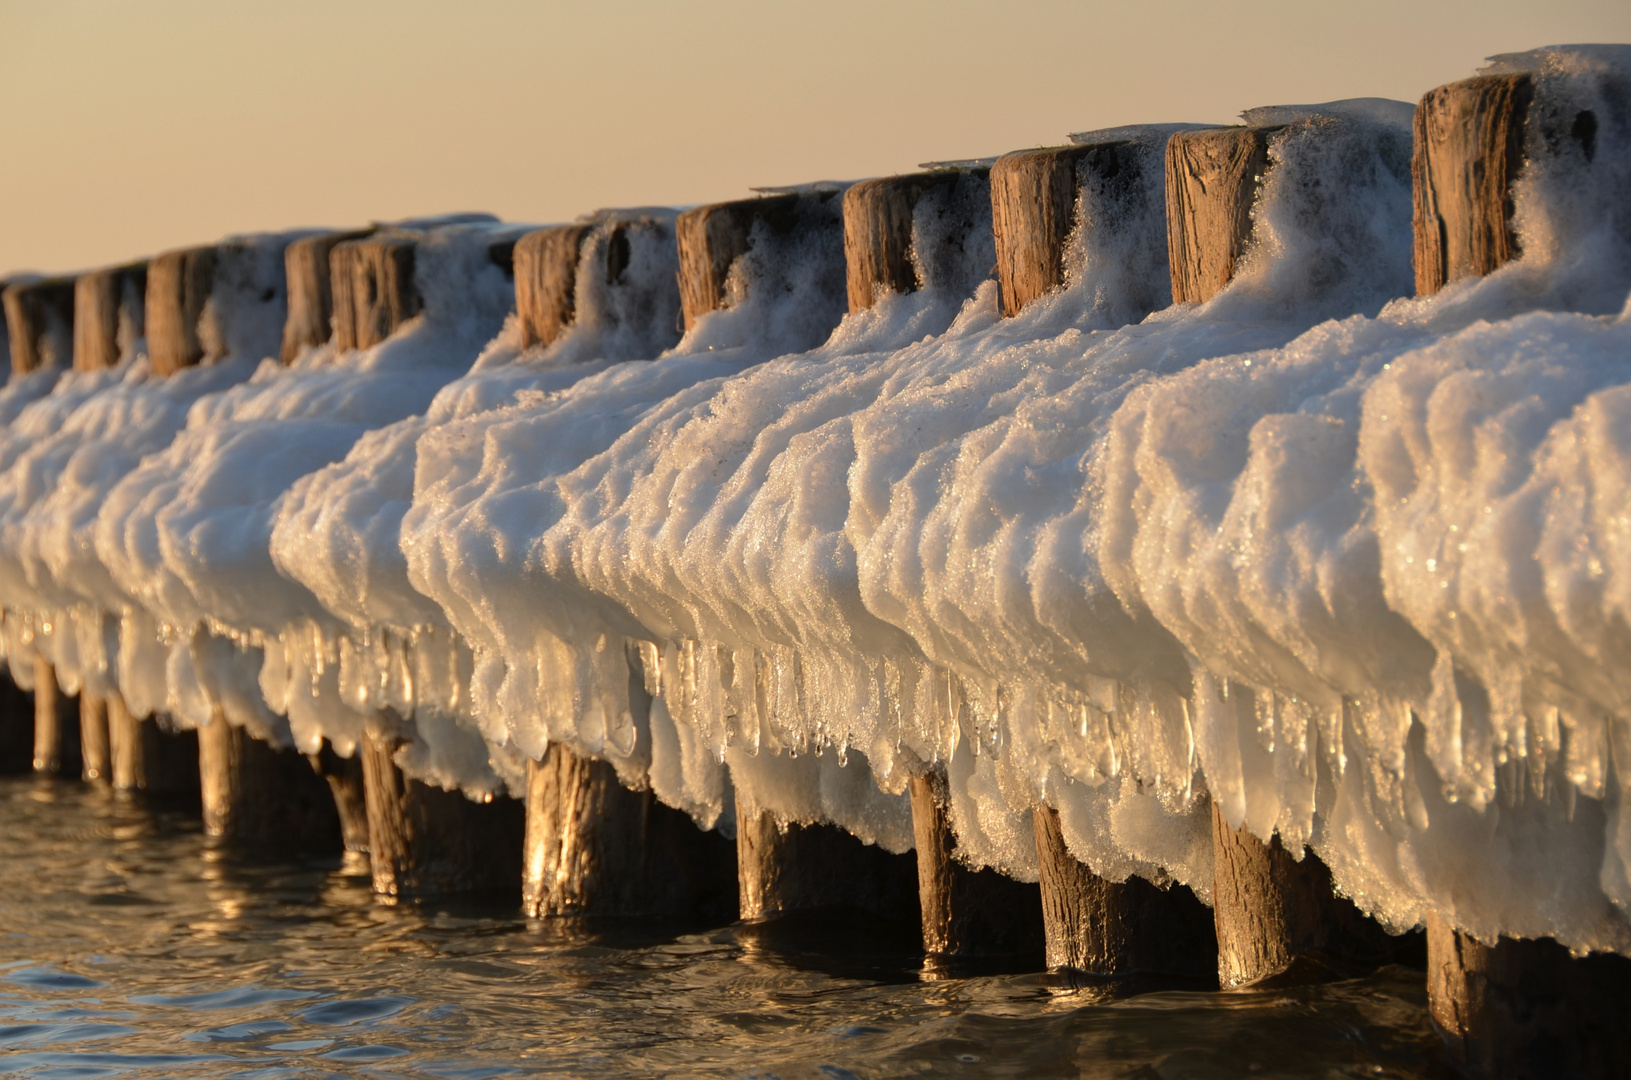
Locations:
179 284
1278 917
373 288
423 841
966 913
96 759
1033 209
310 322
1527 1009
148 759
1213 177
1468 153
109 314
1114 929
546 275
594 847
40 324
259 797
793 867
56 724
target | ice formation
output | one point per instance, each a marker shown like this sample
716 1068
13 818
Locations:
1349 566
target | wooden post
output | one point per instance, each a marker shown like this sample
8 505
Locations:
713 239
1116 929
879 251
109 314
546 273
147 759
594 847
260 797
179 284
1468 153
96 758
306 264
794 867
40 324
1525 1009
423 841
1213 177
966 913
345 783
373 287
56 724
1278 917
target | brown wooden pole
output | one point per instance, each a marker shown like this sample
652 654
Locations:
594 847
345 782
260 797
109 314
145 758
546 273
373 288
797 867
423 841
179 284
306 265
56 724
966 913
880 253
1213 177
1110 929
96 757
40 324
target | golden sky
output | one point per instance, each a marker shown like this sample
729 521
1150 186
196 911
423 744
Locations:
132 126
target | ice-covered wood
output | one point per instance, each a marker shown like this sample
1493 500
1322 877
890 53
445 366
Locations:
373 288
796 867
109 314
258 796
1113 929
879 215
1213 177
56 724
966 912
179 284
594 847
345 783
40 323
148 759
1278 916
1468 153
311 296
423 841
1526 1009
1033 209
546 274
96 759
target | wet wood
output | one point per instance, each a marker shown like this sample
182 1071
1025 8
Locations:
1033 210
259 797
56 724
148 759
1213 177
1527 1009
546 276
1116 929
712 239
879 215
40 324
794 867
311 296
594 847
1277 917
109 315
179 284
423 841
345 783
96 759
1468 154
373 288
966 912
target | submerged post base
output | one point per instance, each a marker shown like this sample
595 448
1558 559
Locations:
260 797
423 841
795 867
593 847
56 724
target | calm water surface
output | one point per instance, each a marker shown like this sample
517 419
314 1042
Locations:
130 946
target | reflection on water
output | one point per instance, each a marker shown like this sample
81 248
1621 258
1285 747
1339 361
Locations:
129 946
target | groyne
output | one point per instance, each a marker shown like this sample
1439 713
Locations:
1188 556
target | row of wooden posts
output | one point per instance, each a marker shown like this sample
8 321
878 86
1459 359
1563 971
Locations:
581 843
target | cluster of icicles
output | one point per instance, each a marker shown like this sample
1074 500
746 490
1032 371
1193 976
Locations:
1353 566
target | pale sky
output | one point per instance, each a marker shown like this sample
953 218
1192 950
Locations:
132 126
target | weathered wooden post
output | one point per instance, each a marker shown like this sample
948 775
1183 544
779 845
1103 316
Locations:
145 758
344 777
179 284
1213 177
423 841
258 796
546 274
883 251
109 315
306 268
786 867
56 724
373 288
40 324
1517 1008
727 249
